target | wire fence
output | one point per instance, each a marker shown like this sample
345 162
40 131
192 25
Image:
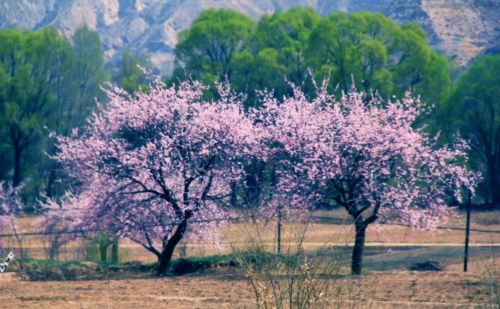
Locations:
81 243
84 244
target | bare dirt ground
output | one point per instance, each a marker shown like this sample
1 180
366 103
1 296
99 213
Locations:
402 289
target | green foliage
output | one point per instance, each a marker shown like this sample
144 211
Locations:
366 48
89 74
474 109
205 51
378 55
31 63
287 34
129 76
77 87
46 84
97 247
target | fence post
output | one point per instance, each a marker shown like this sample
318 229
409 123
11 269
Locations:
279 230
467 232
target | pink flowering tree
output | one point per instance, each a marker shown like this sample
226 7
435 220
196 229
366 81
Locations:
6 209
367 157
153 164
9 205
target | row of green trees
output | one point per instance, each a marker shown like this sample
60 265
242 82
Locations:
48 84
363 50
366 50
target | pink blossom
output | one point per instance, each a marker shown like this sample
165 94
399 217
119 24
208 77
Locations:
367 154
9 205
151 164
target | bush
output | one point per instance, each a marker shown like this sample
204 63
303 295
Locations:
45 270
490 280
42 270
256 259
294 278
187 266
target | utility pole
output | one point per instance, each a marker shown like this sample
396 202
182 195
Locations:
467 232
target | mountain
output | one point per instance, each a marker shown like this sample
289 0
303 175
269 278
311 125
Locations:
462 29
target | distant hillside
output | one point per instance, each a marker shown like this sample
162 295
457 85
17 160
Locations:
460 28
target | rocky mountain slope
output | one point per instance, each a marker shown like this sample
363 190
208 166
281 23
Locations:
460 28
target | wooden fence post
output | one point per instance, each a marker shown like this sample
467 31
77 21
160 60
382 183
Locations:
467 232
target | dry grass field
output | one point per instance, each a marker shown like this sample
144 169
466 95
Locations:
387 283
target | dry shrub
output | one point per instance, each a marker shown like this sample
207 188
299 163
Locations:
295 278
490 278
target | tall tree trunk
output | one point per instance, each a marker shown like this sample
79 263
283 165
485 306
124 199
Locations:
359 246
49 189
3 165
494 186
168 249
16 179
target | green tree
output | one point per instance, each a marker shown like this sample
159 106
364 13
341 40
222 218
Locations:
288 46
31 62
258 72
377 54
46 84
288 34
89 72
206 50
76 88
130 77
5 160
474 109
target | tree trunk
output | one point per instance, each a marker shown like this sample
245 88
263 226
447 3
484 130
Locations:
115 254
359 246
50 183
3 165
103 251
495 192
168 250
16 179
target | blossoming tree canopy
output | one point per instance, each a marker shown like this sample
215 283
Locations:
153 162
9 204
367 156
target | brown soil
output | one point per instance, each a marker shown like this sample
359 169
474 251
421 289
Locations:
449 289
